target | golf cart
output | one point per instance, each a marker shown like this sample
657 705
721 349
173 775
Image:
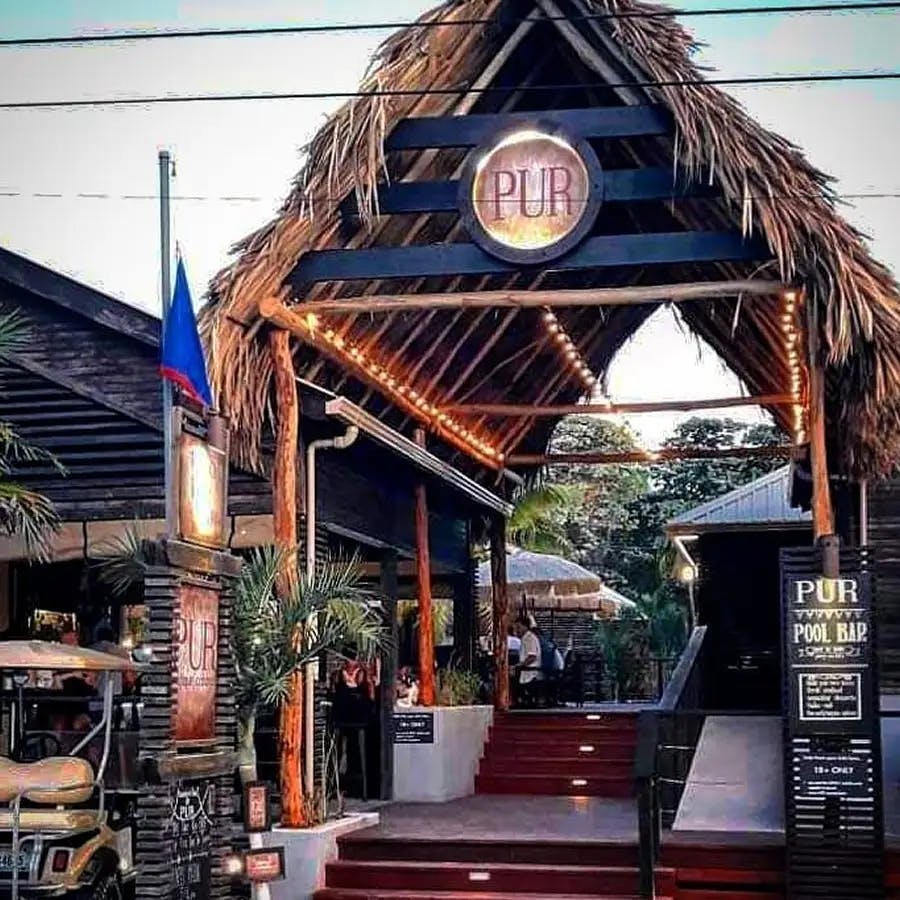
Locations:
63 832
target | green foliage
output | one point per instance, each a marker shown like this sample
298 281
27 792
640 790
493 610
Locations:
538 519
624 645
458 687
666 620
329 610
123 559
441 614
23 512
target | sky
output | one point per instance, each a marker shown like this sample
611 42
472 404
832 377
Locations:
234 161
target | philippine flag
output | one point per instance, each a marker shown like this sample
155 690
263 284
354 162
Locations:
182 353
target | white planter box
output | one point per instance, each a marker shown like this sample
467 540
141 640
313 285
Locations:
445 769
307 851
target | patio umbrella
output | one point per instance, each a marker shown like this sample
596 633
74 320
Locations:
552 582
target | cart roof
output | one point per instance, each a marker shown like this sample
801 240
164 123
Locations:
50 655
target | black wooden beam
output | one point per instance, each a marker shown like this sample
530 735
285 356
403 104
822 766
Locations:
619 186
470 259
469 131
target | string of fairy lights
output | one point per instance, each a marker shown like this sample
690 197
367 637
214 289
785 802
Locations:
568 351
791 335
390 381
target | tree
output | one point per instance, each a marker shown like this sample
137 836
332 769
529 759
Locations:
23 512
687 483
607 492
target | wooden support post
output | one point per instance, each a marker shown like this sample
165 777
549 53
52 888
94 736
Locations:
822 511
500 613
423 589
389 591
284 521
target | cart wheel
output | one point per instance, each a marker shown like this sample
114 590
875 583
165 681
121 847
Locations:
106 888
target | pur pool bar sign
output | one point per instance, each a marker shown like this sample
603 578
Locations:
531 195
829 648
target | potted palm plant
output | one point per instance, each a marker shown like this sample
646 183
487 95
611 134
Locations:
277 634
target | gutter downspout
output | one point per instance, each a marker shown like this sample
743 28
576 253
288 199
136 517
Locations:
678 541
339 443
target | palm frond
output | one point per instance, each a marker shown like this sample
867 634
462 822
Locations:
328 610
122 561
28 515
537 519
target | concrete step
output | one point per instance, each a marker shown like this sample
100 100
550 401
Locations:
491 878
554 785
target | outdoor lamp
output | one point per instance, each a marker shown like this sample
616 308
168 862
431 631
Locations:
687 574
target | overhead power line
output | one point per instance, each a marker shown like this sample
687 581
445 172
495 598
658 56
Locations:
745 81
274 30
7 193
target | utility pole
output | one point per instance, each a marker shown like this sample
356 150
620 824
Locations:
165 248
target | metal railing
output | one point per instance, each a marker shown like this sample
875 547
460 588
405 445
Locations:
667 738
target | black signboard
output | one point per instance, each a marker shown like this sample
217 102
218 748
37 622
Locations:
191 822
832 752
414 728
828 638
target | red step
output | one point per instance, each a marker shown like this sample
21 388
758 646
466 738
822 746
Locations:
491 878
364 894
554 785
584 766
358 847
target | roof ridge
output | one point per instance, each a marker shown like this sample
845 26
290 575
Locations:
78 297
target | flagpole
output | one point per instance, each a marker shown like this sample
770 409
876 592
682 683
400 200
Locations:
165 251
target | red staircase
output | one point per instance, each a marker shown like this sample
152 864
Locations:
373 868
564 754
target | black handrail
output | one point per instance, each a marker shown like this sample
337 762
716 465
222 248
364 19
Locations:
663 727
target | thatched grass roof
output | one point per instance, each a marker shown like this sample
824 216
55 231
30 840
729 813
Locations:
768 187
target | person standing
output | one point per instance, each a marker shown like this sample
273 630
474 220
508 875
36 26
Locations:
530 673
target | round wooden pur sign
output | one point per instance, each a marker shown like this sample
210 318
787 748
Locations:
532 195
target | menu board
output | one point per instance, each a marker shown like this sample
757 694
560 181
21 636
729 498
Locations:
191 828
828 641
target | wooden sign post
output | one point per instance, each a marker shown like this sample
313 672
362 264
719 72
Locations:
189 726
832 761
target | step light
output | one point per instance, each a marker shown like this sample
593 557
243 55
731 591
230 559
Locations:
593 717
479 876
586 748
579 782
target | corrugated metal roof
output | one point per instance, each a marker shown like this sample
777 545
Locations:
763 503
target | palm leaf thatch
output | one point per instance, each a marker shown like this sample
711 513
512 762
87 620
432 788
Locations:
768 188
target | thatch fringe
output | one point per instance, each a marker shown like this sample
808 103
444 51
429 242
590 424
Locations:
767 181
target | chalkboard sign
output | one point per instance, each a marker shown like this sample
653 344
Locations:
832 755
829 653
191 820
414 728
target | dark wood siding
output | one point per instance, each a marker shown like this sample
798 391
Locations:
884 538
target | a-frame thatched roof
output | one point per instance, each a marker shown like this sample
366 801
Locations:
767 188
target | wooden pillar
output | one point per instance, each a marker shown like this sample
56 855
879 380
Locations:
822 511
284 521
389 592
423 590
500 617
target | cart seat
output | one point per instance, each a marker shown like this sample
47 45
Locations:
52 820
56 781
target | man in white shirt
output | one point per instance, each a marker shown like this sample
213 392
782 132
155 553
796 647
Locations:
529 658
